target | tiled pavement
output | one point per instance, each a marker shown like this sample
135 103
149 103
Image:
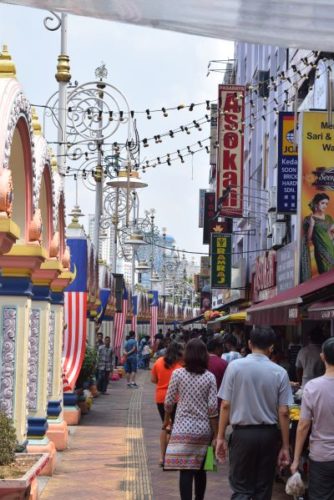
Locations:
114 453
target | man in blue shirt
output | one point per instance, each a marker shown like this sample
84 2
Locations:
131 364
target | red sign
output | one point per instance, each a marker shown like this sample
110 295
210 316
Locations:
231 149
264 278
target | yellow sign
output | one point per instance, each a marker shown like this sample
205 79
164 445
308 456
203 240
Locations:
317 195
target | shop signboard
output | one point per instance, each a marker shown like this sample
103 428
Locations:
213 134
206 301
264 277
231 148
286 268
211 223
201 207
316 195
205 266
221 260
287 164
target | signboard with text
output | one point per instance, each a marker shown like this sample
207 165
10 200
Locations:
264 277
221 260
316 197
287 165
231 150
286 276
201 207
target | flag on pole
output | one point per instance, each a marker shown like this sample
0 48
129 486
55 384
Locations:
75 315
154 305
134 313
119 324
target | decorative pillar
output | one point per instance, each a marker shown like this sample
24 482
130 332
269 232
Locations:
41 349
58 431
17 267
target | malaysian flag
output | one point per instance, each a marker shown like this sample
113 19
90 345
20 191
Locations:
75 313
119 324
134 313
154 305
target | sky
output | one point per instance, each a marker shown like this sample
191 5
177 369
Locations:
153 69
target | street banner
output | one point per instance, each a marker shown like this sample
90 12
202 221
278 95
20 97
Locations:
287 164
221 260
75 313
316 196
286 275
211 222
201 207
153 297
231 150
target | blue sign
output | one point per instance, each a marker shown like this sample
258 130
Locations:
287 165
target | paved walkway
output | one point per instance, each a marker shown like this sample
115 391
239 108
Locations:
114 453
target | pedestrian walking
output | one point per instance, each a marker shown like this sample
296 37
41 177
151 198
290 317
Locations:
308 362
161 374
131 363
231 343
317 410
216 364
195 425
104 365
256 394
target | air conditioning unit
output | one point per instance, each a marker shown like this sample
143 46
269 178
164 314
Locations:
272 199
278 235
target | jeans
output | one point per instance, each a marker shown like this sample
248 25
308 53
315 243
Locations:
321 481
103 380
186 484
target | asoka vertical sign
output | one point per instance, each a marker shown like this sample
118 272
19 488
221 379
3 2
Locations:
287 165
231 149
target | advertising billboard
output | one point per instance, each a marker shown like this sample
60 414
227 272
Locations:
316 210
231 150
287 164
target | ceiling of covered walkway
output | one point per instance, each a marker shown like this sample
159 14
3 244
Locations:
287 23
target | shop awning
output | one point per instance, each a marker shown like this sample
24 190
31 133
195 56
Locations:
321 310
196 319
238 317
284 309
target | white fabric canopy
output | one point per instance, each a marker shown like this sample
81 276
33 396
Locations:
287 23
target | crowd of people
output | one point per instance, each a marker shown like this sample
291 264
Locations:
222 391
237 399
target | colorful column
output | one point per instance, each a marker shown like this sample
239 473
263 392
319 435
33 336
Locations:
17 267
58 431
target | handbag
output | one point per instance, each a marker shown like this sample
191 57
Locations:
210 463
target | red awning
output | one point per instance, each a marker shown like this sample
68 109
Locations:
284 308
321 310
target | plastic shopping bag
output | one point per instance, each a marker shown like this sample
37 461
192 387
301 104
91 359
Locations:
295 485
210 463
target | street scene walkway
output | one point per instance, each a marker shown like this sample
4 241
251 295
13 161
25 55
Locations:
114 453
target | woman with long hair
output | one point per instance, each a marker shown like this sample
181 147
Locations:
196 419
161 374
318 230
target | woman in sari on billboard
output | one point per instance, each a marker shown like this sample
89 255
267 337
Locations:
318 230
